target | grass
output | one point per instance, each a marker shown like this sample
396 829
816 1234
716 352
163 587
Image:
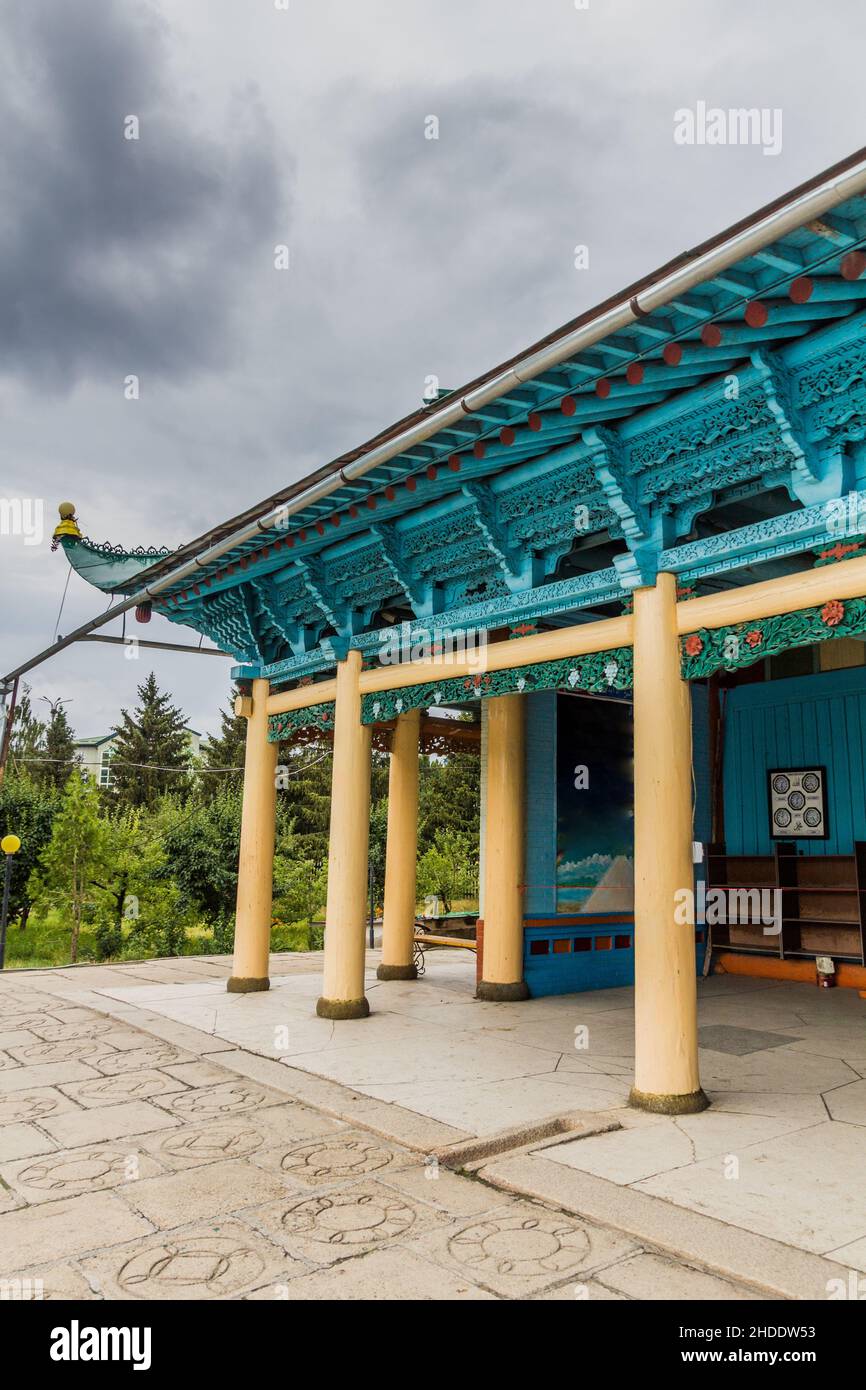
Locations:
45 941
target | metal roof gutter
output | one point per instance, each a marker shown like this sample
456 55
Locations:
805 203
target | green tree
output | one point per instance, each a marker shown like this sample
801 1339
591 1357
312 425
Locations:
151 749
225 749
449 868
449 795
124 880
74 856
304 795
58 750
26 810
27 734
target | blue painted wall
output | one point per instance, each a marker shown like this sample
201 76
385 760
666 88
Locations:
609 960
818 719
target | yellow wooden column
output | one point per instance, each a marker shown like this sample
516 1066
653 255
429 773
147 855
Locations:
666 1037
345 917
398 924
256 863
503 852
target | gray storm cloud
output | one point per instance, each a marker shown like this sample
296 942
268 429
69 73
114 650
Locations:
112 250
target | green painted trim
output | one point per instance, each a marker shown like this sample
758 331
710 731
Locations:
313 717
706 651
610 670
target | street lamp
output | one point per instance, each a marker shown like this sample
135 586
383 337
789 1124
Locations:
10 845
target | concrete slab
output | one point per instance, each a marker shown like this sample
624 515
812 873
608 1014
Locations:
248 1084
173 1200
652 1277
805 1188
382 1276
58 1230
77 1127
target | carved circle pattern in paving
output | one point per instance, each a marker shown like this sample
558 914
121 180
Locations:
85 1170
191 1267
331 1159
64 1051
126 1086
521 1246
13 1023
52 1031
139 1058
212 1142
20 1107
349 1218
228 1098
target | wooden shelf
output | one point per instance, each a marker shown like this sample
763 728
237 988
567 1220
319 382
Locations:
836 922
824 902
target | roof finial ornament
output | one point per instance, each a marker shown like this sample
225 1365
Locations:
68 524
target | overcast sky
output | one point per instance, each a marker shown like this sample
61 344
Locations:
302 122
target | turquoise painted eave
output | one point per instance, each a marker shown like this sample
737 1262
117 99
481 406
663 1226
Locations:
113 571
474 525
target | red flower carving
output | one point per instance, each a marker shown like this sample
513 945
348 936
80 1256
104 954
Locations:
833 612
694 645
754 638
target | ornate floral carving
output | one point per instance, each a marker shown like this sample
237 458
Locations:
742 644
610 670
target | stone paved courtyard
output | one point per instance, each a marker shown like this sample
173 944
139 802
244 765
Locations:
162 1139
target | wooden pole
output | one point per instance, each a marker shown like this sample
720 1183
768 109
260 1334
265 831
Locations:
504 852
345 919
666 1035
256 863
398 923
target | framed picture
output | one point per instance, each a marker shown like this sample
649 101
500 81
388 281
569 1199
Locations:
798 803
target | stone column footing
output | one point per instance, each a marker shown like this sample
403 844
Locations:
397 972
250 984
690 1103
502 993
343 1008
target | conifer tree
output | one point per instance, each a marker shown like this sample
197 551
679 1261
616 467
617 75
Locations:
151 748
58 750
27 735
225 749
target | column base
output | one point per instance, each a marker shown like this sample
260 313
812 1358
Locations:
343 1008
689 1104
247 984
397 972
502 994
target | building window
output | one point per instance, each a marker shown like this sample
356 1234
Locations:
105 769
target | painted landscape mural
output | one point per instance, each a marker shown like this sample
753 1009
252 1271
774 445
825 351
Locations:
595 816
